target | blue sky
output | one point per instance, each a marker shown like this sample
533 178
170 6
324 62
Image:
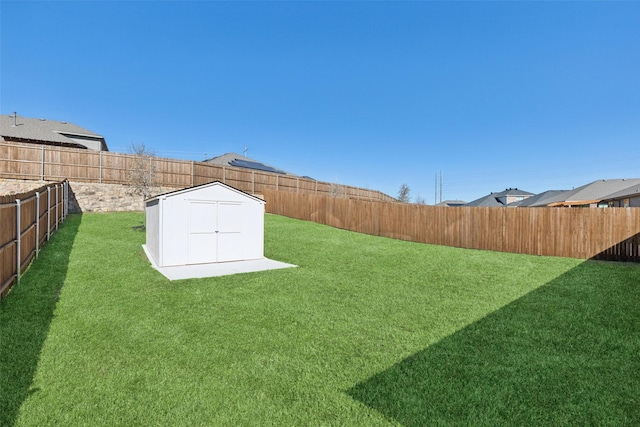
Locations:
533 95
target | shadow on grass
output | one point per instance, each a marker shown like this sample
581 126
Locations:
568 353
25 316
627 250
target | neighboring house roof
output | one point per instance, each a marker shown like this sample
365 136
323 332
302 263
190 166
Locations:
240 161
632 191
15 128
541 199
512 192
594 192
494 199
452 203
487 201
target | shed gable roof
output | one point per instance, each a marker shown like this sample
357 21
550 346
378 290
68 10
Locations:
198 187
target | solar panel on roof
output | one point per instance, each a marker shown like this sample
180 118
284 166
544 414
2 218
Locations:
254 165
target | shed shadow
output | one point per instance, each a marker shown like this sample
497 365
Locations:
26 314
567 353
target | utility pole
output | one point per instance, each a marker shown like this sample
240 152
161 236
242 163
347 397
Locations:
435 200
440 185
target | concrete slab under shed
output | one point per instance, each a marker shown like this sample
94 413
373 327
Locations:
217 269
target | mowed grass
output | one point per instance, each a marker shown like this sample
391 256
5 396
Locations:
365 331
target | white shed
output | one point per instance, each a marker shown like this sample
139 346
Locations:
210 223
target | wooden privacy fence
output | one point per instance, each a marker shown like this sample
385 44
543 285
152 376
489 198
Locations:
50 163
27 221
611 234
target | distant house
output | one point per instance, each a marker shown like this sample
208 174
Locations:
501 199
626 198
598 193
240 161
14 128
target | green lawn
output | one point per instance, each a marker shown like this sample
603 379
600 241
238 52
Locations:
366 331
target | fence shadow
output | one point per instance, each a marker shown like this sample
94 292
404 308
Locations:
564 354
25 317
627 250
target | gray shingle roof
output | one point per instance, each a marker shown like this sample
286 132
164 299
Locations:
51 131
512 192
487 201
631 191
541 199
492 200
451 203
594 192
228 158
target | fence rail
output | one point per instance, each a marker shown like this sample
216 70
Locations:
609 234
50 163
27 221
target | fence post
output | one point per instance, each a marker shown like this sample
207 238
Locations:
224 175
192 173
48 213
100 180
57 202
42 169
277 181
65 199
18 233
297 185
37 223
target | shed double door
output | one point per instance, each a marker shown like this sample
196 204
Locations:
215 232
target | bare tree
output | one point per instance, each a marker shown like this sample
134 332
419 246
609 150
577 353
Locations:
420 200
141 172
403 194
336 190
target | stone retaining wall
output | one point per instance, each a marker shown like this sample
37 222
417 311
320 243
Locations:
89 197
16 186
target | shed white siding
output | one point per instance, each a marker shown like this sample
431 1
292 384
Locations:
152 224
211 223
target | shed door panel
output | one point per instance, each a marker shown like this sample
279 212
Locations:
230 218
202 232
230 228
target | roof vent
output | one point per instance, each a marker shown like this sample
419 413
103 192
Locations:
15 118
